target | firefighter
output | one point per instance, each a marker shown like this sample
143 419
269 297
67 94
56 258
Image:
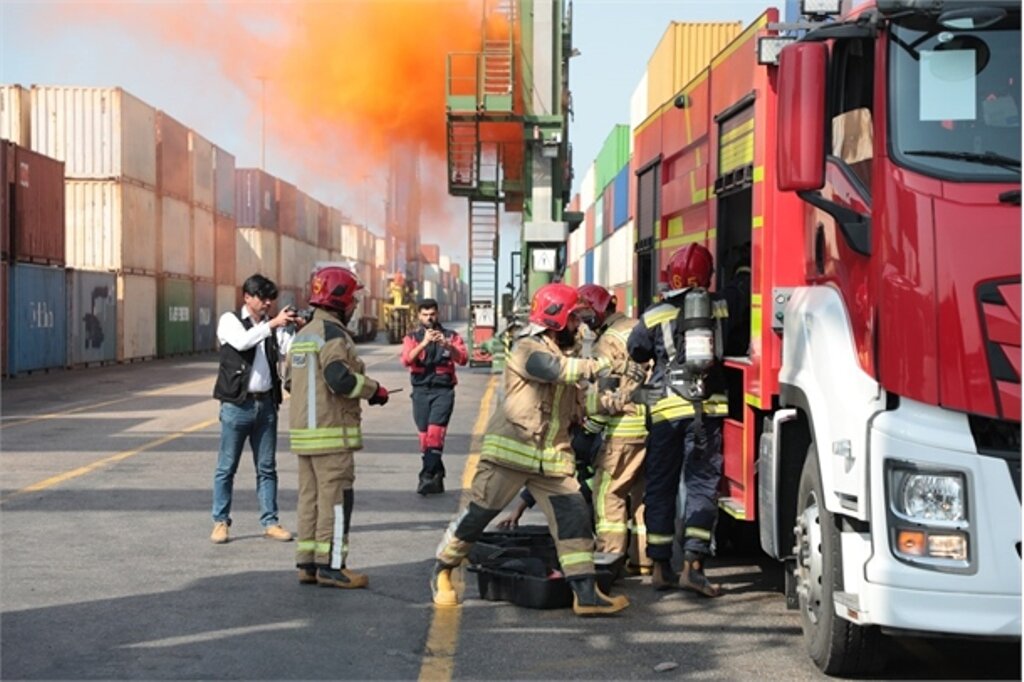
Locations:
327 382
527 443
685 434
431 353
618 481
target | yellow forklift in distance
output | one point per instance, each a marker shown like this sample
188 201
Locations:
397 310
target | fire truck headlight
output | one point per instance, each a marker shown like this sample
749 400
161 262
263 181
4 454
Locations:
927 497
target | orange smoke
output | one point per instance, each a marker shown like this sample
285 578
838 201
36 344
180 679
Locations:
346 81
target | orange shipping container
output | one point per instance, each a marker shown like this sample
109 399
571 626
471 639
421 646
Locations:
37 200
172 158
686 49
431 253
224 250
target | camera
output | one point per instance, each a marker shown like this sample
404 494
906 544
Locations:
305 314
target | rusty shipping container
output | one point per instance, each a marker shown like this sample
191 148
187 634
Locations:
224 181
110 225
6 155
136 319
685 49
175 237
309 227
296 257
98 132
16 115
36 206
92 317
291 209
203 245
224 250
431 253
255 199
172 158
200 162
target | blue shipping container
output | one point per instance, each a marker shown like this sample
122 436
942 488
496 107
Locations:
205 322
588 272
37 318
621 201
92 317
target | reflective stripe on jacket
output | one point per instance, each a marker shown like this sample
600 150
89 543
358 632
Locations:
629 421
530 429
322 421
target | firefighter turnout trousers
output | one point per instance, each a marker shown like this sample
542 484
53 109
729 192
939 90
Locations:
618 488
325 508
671 449
431 410
495 485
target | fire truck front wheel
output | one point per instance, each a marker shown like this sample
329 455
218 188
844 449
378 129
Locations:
837 646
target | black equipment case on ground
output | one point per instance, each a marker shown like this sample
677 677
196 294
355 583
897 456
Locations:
521 566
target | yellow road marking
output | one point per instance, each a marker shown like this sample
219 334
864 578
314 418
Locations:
443 636
93 466
92 406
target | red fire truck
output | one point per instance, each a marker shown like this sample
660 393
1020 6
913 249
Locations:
866 173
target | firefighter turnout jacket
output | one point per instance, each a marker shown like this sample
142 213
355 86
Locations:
624 421
530 429
327 383
647 341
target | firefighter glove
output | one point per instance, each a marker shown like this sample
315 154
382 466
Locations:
380 397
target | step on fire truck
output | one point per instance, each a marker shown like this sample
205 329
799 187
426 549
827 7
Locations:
866 172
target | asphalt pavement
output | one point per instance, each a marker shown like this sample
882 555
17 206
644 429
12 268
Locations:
107 571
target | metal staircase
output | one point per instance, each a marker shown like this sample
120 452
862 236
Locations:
484 244
463 157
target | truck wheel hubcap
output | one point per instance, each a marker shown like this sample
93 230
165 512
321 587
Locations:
809 559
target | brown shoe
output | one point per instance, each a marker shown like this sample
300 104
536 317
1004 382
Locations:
307 575
345 579
220 533
692 578
277 533
662 577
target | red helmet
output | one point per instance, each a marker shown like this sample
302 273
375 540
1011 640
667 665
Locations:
690 266
334 288
598 298
552 305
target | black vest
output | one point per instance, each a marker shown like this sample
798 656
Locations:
236 368
436 369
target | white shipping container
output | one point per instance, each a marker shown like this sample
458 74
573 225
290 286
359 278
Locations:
351 240
637 107
110 225
601 264
446 263
380 252
256 251
175 237
429 289
202 243
587 188
621 248
291 262
225 301
200 161
96 132
16 115
136 317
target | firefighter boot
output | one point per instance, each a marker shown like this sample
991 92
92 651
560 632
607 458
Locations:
343 578
589 600
446 584
662 577
692 576
307 574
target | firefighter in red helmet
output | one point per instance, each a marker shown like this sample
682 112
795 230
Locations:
527 444
327 381
685 397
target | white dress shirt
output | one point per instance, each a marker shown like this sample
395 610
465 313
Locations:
232 332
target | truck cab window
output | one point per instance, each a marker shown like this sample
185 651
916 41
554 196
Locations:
851 106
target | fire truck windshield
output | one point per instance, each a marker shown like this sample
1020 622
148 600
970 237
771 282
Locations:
956 99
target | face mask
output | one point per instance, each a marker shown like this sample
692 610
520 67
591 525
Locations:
565 338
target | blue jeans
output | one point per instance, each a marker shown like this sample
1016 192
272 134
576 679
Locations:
257 421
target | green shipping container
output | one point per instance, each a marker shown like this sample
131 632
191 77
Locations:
613 156
174 317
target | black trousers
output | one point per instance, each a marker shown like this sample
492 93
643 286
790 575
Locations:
431 410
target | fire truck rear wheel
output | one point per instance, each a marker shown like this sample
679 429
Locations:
837 646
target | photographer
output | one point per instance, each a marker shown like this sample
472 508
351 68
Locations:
431 353
249 390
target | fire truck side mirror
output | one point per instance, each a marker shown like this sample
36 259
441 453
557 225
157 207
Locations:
801 122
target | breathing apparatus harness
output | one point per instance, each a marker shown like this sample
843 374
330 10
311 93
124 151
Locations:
693 350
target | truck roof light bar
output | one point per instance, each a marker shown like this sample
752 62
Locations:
769 47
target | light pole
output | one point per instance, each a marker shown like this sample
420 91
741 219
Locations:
263 121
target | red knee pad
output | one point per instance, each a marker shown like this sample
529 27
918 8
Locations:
423 441
435 436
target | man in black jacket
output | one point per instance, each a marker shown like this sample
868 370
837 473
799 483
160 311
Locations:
249 390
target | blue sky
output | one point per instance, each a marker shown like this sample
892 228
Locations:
615 38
